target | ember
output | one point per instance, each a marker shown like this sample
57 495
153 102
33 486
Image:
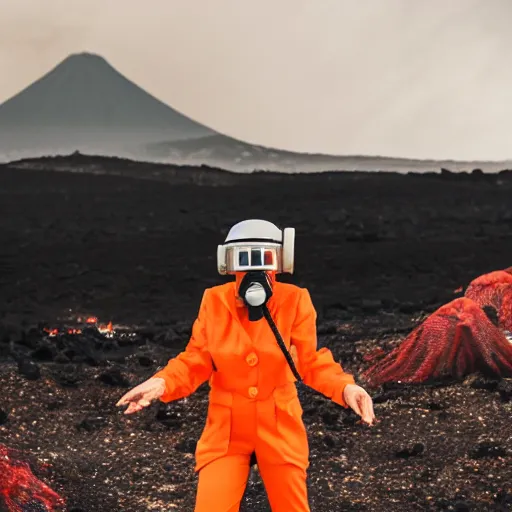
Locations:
21 490
80 324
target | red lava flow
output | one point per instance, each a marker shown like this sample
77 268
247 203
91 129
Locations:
21 490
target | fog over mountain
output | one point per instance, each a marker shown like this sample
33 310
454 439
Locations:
84 104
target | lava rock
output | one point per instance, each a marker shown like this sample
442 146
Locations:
487 449
145 361
115 378
92 424
168 417
62 358
30 338
3 417
505 390
405 453
186 446
442 416
390 391
29 369
330 418
54 405
503 499
436 406
330 442
480 382
351 419
44 352
68 376
454 505
323 486
183 329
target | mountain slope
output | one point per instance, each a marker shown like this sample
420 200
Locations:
85 103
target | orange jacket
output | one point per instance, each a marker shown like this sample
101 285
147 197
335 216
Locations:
249 375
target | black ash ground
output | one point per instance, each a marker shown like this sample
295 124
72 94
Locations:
378 253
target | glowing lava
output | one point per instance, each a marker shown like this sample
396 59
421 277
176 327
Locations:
21 490
88 322
456 340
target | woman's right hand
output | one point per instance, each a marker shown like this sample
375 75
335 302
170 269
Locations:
142 395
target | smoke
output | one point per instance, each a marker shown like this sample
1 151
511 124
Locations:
34 36
422 79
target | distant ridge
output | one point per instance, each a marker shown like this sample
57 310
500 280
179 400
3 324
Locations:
236 155
84 103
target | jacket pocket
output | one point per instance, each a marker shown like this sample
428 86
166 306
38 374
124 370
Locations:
214 441
290 427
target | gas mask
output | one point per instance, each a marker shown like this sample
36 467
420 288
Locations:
255 290
258 249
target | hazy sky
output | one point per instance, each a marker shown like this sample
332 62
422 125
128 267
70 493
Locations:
422 78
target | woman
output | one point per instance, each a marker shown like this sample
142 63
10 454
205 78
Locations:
241 343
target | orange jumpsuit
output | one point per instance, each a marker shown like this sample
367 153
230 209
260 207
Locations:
253 402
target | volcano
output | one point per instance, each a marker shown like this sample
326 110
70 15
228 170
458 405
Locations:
86 104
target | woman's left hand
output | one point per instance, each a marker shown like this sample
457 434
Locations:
360 401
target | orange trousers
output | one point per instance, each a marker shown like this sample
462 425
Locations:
222 485
222 482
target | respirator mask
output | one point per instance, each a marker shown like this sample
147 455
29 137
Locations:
255 290
256 248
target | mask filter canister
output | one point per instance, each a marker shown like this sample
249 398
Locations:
255 290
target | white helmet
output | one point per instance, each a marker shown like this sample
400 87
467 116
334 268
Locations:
257 245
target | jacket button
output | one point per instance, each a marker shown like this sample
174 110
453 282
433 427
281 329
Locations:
252 359
253 392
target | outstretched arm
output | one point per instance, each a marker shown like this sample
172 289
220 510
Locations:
192 367
318 369
182 375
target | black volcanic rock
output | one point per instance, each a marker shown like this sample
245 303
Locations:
29 369
141 252
487 449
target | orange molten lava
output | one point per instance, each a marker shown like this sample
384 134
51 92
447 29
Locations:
106 328
88 321
21 490
51 332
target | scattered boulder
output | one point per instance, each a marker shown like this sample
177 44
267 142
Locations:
487 449
187 446
29 369
505 390
115 378
414 451
91 424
